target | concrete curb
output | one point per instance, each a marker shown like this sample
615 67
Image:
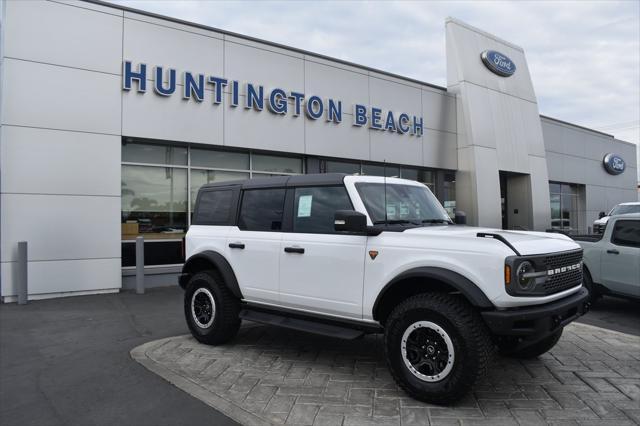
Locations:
229 409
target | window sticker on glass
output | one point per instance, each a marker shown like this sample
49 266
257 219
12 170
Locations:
404 210
391 211
304 205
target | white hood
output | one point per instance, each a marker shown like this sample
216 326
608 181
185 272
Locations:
526 242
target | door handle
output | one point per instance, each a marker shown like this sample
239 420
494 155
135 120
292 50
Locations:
299 250
236 245
613 251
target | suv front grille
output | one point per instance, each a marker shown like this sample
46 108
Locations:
560 281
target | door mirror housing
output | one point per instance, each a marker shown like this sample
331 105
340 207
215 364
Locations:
350 221
601 215
461 218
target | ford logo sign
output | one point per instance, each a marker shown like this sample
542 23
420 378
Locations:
498 63
613 164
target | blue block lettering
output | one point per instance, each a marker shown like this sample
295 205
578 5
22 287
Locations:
375 118
403 123
235 93
334 112
128 76
390 124
359 115
417 126
218 84
254 99
278 101
159 85
297 101
315 107
193 87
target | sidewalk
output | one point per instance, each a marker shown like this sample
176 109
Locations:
276 376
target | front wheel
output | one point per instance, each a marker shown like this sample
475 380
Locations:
437 347
210 309
587 282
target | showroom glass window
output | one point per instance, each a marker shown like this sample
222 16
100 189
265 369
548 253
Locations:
160 184
154 191
564 201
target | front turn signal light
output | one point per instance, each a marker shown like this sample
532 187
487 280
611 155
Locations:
507 274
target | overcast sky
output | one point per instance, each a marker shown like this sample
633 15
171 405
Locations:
584 56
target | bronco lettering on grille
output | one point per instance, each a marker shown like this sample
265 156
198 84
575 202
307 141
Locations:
564 269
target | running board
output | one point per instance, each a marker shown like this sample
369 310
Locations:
301 324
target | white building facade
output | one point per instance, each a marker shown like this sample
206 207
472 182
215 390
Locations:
111 119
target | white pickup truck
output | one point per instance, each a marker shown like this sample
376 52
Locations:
346 255
612 259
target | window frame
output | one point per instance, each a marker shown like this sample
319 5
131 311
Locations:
233 210
241 203
613 241
290 203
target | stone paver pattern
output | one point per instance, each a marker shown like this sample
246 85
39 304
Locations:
270 375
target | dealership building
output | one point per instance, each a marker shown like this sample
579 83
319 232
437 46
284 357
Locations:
112 118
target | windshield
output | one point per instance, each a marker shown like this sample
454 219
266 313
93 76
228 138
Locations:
624 209
405 204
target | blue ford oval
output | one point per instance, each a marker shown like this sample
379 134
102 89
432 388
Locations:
498 63
613 164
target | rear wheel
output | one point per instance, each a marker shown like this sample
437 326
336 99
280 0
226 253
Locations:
436 347
210 309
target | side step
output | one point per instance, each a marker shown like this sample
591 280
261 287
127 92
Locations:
301 324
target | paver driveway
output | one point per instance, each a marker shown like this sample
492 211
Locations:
270 375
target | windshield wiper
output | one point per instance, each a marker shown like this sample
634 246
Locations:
436 221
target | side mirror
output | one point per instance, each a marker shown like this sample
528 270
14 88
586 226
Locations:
461 218
350 221
601 215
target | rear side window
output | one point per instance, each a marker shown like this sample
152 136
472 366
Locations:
262 209
315 208
626 233
214 208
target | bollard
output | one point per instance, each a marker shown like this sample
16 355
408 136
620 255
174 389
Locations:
139 265
22 273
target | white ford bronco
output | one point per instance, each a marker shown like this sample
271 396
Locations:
343 256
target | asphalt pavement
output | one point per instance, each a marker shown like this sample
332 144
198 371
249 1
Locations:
66 361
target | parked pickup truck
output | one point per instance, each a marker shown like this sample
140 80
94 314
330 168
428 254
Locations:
345 255
622 208
612 259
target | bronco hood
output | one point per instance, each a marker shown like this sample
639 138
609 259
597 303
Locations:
526 242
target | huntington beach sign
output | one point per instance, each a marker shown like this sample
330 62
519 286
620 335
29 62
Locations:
256 97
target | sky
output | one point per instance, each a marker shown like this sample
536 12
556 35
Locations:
584 56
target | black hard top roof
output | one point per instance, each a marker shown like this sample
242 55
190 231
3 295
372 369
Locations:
283 181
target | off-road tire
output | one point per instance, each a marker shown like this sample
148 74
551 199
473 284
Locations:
226 320
587 282
532 351
471 341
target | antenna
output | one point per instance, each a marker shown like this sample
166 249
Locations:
386 220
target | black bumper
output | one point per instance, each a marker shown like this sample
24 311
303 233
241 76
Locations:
538 321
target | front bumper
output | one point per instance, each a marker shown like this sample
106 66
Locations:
538 321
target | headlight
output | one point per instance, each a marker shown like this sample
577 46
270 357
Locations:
526 276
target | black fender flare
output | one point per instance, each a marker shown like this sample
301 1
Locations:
466 287
219 262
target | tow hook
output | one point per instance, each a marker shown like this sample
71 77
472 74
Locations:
557 319
586 307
